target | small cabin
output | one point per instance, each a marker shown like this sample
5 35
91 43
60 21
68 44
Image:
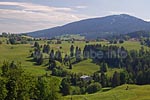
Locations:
85 78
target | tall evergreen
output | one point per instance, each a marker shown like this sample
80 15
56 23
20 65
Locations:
116 79
72 51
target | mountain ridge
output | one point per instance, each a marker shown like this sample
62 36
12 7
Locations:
97 27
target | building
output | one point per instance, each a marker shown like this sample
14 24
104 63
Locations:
86 78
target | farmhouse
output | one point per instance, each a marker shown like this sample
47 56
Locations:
86 78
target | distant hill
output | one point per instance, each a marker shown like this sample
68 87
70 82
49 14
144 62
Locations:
97 27
139 34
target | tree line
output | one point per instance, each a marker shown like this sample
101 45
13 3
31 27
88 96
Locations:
134 62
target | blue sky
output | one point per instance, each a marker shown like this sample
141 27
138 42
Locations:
31 15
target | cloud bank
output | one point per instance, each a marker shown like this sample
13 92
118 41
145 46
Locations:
28 16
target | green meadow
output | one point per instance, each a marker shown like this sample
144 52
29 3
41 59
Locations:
134 92
21 53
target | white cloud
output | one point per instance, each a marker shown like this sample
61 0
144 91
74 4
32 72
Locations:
35 7
81 7
35 16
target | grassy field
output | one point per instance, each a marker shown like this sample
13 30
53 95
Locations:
132 45
88 68
134 92
68 37
20 53
85 67
129 45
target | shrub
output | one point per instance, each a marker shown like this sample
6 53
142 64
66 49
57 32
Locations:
60 72
94 87
121 41
76 91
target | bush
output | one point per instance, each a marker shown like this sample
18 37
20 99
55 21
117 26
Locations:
76 91
65 87
12 41
121 41
83 90
94 87
87 41
115 41
60 72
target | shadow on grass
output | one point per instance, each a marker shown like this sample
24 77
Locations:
47 64
29 57
32 60
106 89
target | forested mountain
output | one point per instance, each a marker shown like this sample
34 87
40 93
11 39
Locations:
139 34
97 27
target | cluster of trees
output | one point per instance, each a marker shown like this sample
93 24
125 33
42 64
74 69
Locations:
4 34
68 60
145 41
117 79
136 63
115 41
58 71
46 48
15 38
75 52
98 80
37 54
137 35
73 79
53 57
15 84
79 86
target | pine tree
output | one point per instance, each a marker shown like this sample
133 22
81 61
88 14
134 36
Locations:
70 66
116 79
71 51
58 56
104 67
78 54
65 87
36 44
52 55
103 80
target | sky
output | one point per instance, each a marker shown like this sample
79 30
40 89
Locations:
30 15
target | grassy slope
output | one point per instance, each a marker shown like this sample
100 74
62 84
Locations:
85 67
66 46
130 45
88 68
135 92
21 54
